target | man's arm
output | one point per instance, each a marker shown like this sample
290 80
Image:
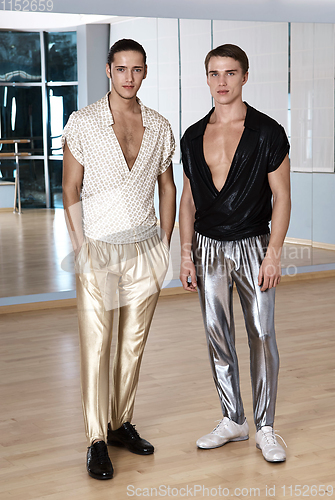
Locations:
186 228
270 270
73 173
167 204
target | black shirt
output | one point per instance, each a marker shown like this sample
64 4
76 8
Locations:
243 206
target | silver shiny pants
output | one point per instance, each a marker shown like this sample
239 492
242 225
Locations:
220 264
126 278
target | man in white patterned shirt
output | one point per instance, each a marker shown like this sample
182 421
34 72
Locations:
114 152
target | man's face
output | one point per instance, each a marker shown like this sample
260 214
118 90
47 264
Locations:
225 79
127 72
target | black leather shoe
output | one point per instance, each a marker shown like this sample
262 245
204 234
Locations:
99 465
128 436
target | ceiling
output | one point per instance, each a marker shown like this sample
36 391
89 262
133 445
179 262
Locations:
244 10
52 20
248 10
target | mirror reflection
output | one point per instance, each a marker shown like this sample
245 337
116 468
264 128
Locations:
290 79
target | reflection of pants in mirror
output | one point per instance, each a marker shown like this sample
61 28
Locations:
128 277
219 264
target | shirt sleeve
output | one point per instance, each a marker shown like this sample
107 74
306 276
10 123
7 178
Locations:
169 147
71 134
279 148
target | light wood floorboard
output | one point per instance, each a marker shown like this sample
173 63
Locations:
42 442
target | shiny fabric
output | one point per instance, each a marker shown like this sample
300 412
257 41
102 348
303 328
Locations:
219 265
243 206
124 278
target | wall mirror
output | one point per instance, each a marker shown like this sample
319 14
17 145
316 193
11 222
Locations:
291 79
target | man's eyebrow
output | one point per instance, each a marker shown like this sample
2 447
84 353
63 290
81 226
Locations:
226 71
121 66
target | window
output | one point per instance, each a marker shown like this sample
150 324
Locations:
21 117
36 98
61 102
62 98
61 57
20 57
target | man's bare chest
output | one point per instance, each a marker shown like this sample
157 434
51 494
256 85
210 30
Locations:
220 145
129 135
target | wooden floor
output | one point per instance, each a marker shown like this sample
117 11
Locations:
36 254
42 442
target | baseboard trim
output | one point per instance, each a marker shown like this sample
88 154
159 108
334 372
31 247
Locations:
298 241
310 243
324 246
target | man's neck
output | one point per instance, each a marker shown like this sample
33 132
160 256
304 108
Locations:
227 113
121 105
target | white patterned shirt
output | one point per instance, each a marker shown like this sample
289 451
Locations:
118 203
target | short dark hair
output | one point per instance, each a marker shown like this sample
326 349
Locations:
229 50
125 44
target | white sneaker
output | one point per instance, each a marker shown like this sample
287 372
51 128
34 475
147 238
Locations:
267 442
225 431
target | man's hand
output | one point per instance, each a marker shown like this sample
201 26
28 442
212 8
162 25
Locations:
187 270
269 272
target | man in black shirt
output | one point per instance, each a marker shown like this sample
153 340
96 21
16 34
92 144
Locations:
235 161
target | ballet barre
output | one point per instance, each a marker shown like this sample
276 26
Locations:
15 154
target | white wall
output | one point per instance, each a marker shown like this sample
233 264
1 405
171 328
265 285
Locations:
313 207
195 43
92 47
168 74
312 97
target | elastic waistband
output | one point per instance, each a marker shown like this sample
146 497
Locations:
262 238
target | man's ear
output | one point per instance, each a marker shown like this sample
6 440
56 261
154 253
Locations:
245 78
108 71
145 71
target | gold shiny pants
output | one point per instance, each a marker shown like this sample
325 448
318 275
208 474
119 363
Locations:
128 278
